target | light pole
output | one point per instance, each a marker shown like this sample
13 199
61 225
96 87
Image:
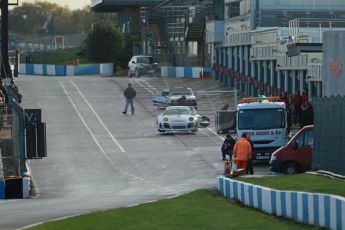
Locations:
95 23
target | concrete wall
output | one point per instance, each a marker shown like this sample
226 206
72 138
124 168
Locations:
309 208
329 138
334 63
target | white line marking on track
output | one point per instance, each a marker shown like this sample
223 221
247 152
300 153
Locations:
88 128
220 137
98 118
142 85
150 86
123 172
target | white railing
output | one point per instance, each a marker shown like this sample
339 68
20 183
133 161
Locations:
296 26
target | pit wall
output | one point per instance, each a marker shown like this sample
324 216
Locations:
106 69
2 189
185 72
322 210
6 188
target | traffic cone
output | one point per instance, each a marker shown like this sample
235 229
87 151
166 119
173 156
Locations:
227 167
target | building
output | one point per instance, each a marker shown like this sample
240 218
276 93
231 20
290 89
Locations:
172 31
271 46
258 47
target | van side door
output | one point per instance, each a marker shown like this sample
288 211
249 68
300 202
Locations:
303 148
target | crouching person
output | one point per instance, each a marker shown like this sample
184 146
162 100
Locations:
227 147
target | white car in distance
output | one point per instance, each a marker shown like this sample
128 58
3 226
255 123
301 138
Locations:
140 65
171 96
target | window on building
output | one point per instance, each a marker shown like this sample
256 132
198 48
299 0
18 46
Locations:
245 7
234 9
178 47
219 9
192 49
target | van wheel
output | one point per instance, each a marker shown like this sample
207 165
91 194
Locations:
129 73
290 168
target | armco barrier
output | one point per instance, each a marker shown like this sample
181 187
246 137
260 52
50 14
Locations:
184 72
309 208
105 69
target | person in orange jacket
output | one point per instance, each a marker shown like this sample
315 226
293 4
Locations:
242 152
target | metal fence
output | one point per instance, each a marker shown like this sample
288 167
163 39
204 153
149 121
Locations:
12 147
329 132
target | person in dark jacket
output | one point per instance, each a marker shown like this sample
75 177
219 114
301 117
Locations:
307 117
129 94
250 169
227 147
182 101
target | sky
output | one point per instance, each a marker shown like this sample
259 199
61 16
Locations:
72 4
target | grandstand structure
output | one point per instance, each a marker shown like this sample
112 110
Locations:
172 31
272 46
256 47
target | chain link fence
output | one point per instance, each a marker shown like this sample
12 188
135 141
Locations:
329 132
9 147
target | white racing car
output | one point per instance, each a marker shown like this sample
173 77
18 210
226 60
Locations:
178 118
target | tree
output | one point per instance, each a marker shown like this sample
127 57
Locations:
30 18
130 42
47 18
105 43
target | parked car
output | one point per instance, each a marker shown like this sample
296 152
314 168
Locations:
140 65
170 97
296 155
178 118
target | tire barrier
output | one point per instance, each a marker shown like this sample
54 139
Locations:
317 209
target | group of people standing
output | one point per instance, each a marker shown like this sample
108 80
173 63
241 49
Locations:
299 108
240 151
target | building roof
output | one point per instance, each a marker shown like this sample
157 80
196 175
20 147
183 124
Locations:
115 5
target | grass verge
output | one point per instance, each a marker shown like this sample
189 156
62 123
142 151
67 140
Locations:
202 209
301 182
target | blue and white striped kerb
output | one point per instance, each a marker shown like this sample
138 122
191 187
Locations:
66 70
322 210
183 72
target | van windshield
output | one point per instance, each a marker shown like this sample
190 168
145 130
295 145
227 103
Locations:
261 119
180 91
